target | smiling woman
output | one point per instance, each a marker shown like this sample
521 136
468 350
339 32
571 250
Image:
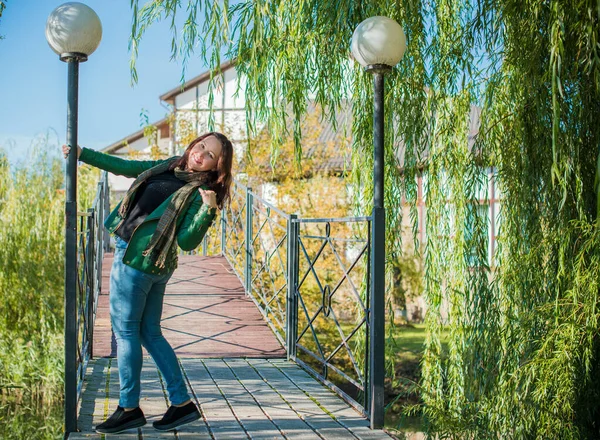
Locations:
211 152
203 155
171 204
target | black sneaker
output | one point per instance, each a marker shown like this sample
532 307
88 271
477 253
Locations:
177 416
122 420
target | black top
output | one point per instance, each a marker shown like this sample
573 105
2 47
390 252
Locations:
149 196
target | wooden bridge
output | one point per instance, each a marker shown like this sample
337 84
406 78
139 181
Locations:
234 366
274 330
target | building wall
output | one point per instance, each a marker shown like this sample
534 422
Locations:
192 110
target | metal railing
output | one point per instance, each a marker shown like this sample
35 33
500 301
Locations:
92 242
310 280
333 303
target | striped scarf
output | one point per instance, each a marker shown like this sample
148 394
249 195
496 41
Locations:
163 239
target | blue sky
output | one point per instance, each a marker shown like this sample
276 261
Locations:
33 81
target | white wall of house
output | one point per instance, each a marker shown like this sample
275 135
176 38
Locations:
119 184
229 111
269 192
140 145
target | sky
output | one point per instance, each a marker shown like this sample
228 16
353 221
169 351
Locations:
33 81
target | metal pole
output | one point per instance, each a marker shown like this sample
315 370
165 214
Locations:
248 268
377 321
292 282
71 251
223 232
204 244
91 278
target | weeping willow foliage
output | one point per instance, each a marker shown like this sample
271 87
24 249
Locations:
523 351
2 7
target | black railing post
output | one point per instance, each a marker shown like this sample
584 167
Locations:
106 208
99 235
369 271
292 277
223 233
248 261
91 278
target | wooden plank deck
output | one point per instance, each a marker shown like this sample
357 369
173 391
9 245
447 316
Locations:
206 314
238 398
234 366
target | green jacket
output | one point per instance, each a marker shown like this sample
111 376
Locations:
192 224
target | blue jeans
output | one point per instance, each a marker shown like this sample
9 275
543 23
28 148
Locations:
136 302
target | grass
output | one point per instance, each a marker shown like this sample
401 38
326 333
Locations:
403 389
411 338
407 348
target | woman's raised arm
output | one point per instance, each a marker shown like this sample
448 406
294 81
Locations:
112 164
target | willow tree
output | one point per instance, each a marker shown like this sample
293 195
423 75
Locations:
523 355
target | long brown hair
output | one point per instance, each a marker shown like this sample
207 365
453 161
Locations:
221 183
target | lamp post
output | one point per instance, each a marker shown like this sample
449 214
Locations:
73 31
378 44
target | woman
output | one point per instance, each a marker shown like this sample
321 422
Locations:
171 203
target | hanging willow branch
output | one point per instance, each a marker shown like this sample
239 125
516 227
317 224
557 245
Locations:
522 360
2 7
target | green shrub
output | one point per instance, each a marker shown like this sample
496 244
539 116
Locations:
31 292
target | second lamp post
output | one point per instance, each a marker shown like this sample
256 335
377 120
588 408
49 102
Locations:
378 44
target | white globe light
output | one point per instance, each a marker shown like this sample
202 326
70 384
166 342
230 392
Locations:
73 28
378 40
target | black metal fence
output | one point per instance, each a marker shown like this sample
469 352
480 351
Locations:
309 278
92 242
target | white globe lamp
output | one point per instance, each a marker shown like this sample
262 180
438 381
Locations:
73 30
378 41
